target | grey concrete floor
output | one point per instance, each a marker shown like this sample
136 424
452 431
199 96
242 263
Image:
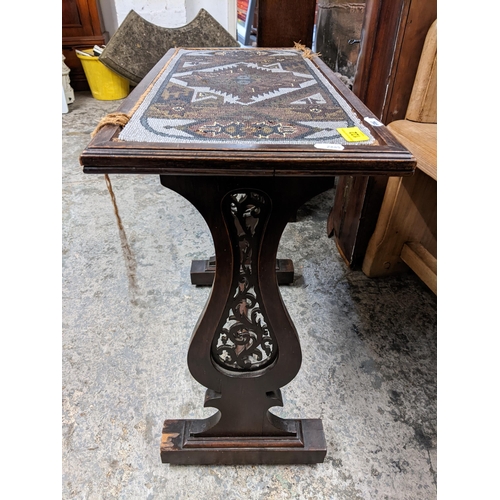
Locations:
369 351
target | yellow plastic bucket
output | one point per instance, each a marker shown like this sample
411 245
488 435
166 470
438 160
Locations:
105 85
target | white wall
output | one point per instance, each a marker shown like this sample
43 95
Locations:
108 15
168 13
224 11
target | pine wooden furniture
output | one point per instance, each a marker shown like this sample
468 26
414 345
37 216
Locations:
406 230
392 38
247 187
81 29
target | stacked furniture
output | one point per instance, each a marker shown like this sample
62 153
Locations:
406 230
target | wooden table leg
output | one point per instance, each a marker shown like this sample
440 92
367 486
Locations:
203 271
245 346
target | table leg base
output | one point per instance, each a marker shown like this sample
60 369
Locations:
178 446
203 271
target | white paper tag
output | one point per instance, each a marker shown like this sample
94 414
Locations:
373 121
332 147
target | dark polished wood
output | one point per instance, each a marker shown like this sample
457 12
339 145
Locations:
243 398
392 39
203 271
393 36
281 24
247 193
181 445
105 154
81 29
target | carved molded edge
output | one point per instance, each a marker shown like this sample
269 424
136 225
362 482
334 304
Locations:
178 447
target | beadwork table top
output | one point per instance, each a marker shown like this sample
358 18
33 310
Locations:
239 111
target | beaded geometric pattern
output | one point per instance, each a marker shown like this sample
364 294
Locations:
241 96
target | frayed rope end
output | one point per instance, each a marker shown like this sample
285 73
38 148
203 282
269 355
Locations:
306 52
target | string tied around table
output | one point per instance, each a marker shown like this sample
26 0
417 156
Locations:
130 262
120 119
307 53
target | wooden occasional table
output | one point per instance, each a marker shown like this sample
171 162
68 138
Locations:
247 136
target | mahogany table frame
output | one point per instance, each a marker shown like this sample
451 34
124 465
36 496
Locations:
243 430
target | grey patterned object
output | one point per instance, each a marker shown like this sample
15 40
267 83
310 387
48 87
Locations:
138 44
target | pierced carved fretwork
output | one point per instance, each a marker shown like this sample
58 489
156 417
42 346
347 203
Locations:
244 341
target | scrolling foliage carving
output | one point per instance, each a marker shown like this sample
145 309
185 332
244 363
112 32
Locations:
243 341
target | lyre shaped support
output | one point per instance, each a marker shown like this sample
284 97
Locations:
245 347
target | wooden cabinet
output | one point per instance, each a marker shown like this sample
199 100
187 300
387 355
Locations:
81 29
392 39
282 25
